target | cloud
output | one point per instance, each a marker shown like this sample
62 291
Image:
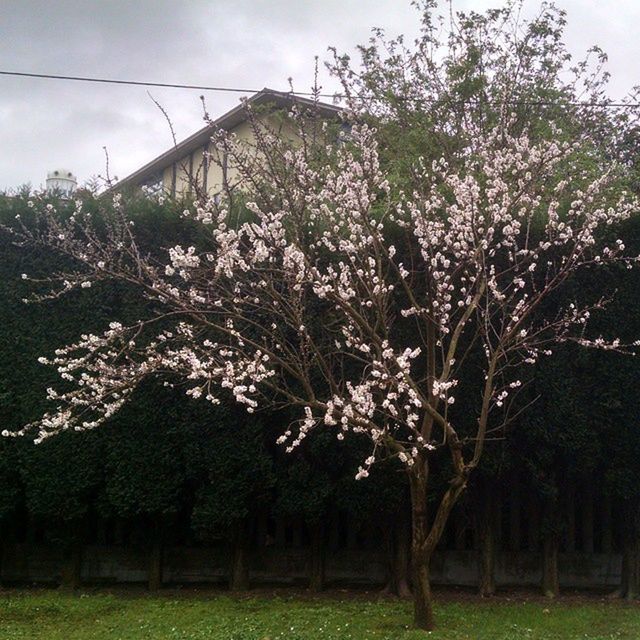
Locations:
246 43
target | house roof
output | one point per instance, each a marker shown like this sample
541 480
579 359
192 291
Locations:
227 122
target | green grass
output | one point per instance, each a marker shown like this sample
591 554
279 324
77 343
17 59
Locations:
50 615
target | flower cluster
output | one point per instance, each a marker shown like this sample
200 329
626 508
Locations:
345 300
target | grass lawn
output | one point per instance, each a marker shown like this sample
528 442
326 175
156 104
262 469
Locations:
173 615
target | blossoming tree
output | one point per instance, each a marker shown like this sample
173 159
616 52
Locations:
316 285
354 307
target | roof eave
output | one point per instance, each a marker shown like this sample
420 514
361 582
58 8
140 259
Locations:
226 122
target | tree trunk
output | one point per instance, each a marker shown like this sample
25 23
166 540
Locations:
262 531
607 525
352 533
3 534
422 601
403 545
587 519
570 517
101 531
296 534
533 529
550 580
461 526
70 576
317 553
281 533
550 546
398 545
334 531
424 538
486 525
386 530
155 559
119 532
515 530
630 586
239 579
487 585
420 556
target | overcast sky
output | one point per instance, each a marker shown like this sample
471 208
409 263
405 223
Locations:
48 124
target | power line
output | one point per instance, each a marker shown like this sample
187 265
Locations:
169 85
140 83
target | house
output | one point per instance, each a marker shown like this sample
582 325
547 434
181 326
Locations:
193 162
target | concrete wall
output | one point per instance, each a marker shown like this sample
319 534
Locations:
24 563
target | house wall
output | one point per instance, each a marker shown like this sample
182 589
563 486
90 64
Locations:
179 177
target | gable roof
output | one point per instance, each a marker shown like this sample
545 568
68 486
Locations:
227 122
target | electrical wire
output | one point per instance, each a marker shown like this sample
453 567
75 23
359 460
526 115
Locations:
169 85
50 76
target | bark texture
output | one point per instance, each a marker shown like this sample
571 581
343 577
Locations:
422 601
425 536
